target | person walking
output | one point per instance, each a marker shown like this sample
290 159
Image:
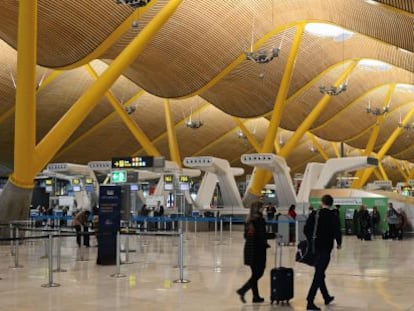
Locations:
255 251
327 231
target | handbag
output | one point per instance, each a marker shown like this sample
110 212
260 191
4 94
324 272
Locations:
306 249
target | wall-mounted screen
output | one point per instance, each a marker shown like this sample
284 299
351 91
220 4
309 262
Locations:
134 187
76 188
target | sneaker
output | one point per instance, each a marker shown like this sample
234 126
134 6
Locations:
311 307
329 300
241 295
258 299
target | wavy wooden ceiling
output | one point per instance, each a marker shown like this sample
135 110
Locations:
200 40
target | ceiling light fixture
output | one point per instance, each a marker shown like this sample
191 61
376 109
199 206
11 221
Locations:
263 56
193 124
130 109
241 135
407 127
377 111
134 3
333 90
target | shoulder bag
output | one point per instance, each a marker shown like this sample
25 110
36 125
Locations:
306 252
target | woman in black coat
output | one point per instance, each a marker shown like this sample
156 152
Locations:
255 250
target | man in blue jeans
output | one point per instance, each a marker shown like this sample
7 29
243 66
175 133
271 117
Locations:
328 230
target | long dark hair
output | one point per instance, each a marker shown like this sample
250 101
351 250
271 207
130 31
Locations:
255 211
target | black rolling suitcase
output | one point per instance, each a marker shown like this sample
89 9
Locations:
281 281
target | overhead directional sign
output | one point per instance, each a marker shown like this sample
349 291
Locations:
132 162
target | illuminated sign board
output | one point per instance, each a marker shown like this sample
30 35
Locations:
48 182
184 181
89 181
133 162
118 177
168 182
75 181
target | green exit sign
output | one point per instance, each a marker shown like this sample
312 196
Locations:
118 177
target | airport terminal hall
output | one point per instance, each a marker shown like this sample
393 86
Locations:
206 155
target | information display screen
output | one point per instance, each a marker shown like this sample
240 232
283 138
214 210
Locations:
118 177
133 162
76 188
48 182
184 181
134 187
168 182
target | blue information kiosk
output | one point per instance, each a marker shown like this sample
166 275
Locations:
109 223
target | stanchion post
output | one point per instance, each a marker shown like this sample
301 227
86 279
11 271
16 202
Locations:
296 232
50 264
11 239
16 248
181 256
230 225
82 247
221 230
59 253
215 228
118 273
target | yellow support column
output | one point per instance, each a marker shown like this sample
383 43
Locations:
384 149
375 132
59 134
25 115
335 148
315 113
318 146
398 165
411 175
130 124
260 175
383 173
378 174
172 137
99 125
248 135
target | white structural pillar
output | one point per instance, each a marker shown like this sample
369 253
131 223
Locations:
318 175
338 165
217 170
281 174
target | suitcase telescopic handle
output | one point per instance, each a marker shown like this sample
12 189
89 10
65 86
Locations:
278 244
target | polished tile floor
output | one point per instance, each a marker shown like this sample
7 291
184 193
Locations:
368 275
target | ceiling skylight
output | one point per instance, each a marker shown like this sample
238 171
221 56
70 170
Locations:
329 31
374 65
407 88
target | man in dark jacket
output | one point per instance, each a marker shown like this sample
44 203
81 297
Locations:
328 230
